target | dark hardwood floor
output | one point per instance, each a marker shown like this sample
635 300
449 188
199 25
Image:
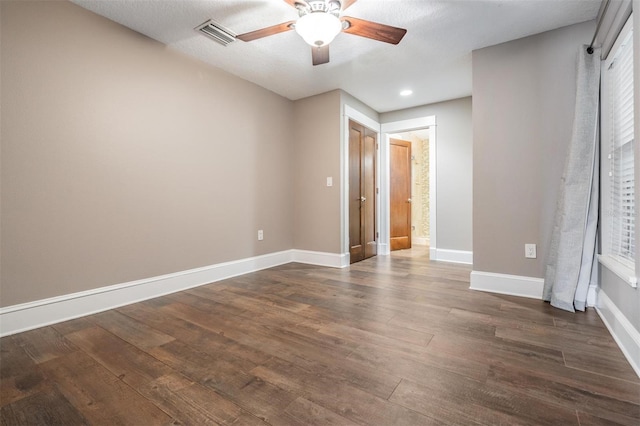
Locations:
389 341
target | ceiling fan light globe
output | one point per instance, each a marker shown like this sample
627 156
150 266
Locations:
318 28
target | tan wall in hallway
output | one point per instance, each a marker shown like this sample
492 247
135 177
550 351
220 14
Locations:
419 186
122 159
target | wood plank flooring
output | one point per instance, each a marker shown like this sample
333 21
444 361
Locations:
393 340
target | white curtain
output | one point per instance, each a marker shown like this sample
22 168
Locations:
571 260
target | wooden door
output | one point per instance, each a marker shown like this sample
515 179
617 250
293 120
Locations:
362 192
400 194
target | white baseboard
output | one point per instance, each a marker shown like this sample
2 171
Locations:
453 256
623 332
420 241
592 295
332 260
27 316
513 285
384 249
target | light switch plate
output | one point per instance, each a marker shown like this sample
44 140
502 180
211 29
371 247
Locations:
530 251
329 181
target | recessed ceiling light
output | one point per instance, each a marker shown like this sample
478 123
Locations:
406 92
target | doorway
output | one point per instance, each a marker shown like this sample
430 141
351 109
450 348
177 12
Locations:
419 182
421 132
362 192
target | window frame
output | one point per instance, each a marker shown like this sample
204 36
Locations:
619 265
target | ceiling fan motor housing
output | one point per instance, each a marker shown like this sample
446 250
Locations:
322 6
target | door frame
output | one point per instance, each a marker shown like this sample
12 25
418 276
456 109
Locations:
402 126
383 223
351 113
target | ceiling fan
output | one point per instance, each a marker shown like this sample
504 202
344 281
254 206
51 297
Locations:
320 22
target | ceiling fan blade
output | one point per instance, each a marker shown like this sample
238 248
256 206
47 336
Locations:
320 55
347 3
300 2
373 30
264 32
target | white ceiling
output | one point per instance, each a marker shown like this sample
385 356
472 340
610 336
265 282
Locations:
434 58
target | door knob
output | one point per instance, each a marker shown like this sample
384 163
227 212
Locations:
363 199
409 200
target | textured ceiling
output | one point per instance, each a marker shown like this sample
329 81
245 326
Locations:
434 58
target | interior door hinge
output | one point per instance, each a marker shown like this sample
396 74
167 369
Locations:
377 190
377 146
377 235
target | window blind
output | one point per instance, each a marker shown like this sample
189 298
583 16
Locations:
622 152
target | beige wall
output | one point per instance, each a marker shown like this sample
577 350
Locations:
122 159
317 153
523 102
453 168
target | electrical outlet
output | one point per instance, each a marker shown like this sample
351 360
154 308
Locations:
530 251
260 235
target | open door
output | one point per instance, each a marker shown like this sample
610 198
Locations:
362 192
400 194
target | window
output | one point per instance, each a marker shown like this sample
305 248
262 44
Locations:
618 145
